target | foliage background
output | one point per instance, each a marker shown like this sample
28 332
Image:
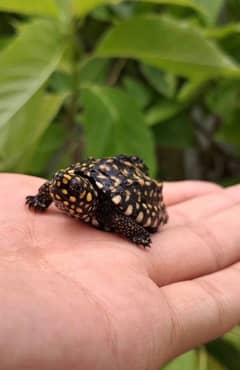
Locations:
156 78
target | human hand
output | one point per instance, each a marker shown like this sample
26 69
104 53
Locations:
73 297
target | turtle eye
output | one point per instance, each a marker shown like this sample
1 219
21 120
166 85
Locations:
75 185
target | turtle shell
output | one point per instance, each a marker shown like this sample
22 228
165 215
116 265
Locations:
125 180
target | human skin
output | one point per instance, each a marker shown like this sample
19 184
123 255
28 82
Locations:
73 297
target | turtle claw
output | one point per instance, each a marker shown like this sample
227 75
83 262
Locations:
34 202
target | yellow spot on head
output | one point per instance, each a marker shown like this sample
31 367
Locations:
82 195
64 191
89 197
66 203
57 197
65 181
67 177
73 199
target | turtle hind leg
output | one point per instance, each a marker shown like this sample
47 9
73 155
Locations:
42 200
129 228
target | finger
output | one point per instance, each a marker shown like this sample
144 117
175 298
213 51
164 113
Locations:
202 309
204 206
177 192
189 251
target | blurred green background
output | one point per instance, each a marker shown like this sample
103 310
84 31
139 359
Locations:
154 78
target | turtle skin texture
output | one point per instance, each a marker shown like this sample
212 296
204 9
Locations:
112 194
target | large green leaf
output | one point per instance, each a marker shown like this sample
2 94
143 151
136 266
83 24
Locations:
81 7
19 138
188 361
225 352
233 337
26 64
174 46
164 83
93 70
163 111
195 360
43 7
176 132
114 124
139 91
228 30
212 8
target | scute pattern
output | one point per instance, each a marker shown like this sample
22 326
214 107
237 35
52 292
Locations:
127 182
112 194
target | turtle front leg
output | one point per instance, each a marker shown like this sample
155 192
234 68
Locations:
42 200
129 228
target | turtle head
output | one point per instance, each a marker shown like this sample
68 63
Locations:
74 194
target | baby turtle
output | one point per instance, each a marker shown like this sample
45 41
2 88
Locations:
113 194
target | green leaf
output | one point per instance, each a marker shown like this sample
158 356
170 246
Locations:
233 337
164 83
47 155
213 364
19 138
192 4
212 8
176 133
82 7
26 64
139 91
114 124
225 352
225 31
163 111
93 70
4 41
183 50
188 361
43 7
190 90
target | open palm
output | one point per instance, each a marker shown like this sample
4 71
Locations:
73 297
